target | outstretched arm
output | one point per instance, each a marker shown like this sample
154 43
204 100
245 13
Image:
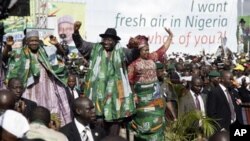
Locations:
169 40
162 50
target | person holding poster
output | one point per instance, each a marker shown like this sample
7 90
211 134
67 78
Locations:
149 121
106 81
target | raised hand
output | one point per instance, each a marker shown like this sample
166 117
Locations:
77 25
53 40
170 37
9 41
169 32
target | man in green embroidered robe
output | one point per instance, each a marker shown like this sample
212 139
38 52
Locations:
106 81
44 82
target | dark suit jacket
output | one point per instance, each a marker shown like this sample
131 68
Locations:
218 107
30 106
69 92
244 94
70 130
71 98
187 104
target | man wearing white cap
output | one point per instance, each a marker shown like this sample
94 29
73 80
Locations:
14 126
44 83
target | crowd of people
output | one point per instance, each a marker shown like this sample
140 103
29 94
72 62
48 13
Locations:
127 88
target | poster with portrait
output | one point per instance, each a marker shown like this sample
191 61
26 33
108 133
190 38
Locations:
61 18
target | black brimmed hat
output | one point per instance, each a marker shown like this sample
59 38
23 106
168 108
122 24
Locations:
110 32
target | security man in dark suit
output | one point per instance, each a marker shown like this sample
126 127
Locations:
223 102
83 128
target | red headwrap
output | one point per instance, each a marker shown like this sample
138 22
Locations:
138 42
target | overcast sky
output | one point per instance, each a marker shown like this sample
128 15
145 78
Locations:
246 7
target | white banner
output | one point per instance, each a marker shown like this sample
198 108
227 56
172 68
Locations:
196 24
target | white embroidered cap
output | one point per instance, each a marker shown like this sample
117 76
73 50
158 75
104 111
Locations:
33 33
15 123
65 19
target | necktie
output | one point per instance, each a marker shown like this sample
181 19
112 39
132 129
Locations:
84 135
197 102
72 92
231 106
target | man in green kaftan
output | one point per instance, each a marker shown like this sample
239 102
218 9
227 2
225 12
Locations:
43 80
106 81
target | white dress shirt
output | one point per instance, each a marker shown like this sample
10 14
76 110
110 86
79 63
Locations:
81 128
75 93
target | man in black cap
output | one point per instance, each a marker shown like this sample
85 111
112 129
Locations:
106 81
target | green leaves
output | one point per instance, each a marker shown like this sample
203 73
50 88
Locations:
189 127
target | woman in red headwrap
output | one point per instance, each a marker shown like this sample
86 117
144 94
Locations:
149 119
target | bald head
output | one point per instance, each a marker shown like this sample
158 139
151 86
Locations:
227 78
7 100
196 85
41 114
81 102
84 110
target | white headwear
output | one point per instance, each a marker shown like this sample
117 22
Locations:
33 33
65 19
15 123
